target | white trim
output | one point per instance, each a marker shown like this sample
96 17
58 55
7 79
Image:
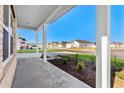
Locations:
9 55
9 44
7 60
45 43
104 61
103 47
56 14
37 43
8 29
9 16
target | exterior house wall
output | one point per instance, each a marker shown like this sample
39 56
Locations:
122 45
75 44
78 44
1 48
59 45
112 45
49 45
91 45
82 45
54 45
68 45
7 68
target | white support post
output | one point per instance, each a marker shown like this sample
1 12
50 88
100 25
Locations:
102 47
9 44
44 43
37 43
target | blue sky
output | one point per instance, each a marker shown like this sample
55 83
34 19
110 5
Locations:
80 23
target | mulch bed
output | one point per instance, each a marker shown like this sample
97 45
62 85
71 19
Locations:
87 75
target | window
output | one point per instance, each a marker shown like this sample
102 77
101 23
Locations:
7 33
11 45
5 44
6 15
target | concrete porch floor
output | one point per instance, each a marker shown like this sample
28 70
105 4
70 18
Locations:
33 73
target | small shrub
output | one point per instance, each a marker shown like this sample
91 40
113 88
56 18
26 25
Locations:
76 56
115 59
120 74
65 61
92 59
80 66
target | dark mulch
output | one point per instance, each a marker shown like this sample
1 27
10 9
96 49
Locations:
87 75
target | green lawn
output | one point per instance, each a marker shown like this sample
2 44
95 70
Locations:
34 50
28 51
115 62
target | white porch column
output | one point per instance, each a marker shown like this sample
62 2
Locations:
44 43
37 43
102 47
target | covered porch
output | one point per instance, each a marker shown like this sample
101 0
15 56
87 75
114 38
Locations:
40 73
34 73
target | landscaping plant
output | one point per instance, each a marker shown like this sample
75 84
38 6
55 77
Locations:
80 66
77 56
92 59
65 60
120 74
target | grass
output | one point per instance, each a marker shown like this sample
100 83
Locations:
115 62
34 50
27 51
83 57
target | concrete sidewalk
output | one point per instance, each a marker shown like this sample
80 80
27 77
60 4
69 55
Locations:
33 73
51 54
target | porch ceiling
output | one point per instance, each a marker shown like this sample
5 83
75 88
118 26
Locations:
34 16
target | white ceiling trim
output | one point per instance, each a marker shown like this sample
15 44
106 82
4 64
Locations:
34 17
56 14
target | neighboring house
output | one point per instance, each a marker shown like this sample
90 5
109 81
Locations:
82 43
22 43
122 45
61 44
116 44
54 45
49 45
33 46
68 45
73 44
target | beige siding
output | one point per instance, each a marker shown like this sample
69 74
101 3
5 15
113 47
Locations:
1 34
7 70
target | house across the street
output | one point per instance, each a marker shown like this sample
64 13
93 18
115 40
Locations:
116 44
82 43
73 44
